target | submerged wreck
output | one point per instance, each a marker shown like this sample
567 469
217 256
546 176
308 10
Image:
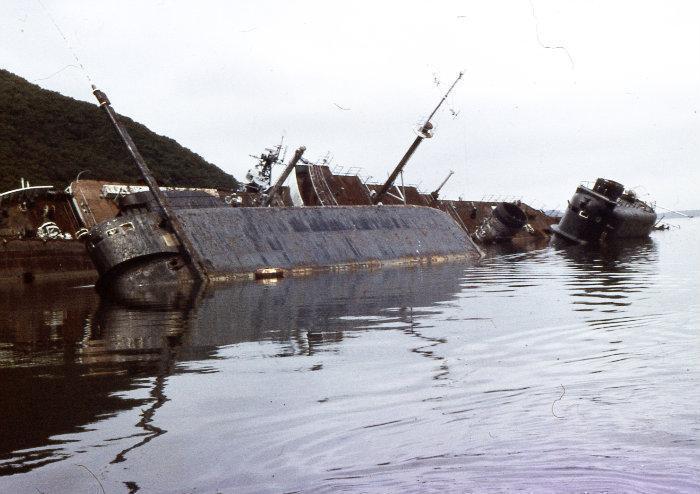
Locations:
486 222
38 237
151 242
605 212
43 229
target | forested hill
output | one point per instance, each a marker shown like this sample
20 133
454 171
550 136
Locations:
48 139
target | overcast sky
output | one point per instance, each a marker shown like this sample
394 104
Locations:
554 92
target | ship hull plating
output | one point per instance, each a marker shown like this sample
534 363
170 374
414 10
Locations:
236 242
604 213
317 185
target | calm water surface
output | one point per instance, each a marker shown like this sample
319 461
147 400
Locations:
547 371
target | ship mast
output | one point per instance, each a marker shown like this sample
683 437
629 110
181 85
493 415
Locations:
436 192
424 132
186 247
278 184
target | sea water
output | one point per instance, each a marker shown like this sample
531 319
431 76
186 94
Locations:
554 370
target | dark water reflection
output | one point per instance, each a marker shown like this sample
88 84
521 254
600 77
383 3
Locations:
611 274
548 371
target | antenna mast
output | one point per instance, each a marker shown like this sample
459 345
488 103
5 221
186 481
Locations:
436 192
423 133
280 181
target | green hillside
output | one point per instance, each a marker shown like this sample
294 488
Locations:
48 139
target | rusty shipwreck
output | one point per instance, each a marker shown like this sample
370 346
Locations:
38 237
604 212
152 242
486 221
42 228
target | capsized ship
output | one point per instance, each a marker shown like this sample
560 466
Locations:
151 242
487 222
42 228
605 212
38 232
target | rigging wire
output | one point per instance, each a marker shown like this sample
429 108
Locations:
56 73
70 47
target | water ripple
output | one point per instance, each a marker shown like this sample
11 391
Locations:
546 371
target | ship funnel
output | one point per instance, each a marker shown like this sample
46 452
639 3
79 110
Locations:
188 250
505 221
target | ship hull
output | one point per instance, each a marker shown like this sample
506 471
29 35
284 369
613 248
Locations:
317 185
233 243
38 231
32 260
631 222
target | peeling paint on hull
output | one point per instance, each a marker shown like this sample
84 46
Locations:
235 242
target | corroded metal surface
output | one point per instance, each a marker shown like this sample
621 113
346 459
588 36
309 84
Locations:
97 200
605 212
404 195
178 199
239 240
505 222
631 221
473 213
318 186
37 238
89 202
22 213
130 239
469 215
252 199
235 242
29 260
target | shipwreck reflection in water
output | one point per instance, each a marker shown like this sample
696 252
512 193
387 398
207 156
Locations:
306 312
76 375
605 276
42 326
436 376
608 285
153 333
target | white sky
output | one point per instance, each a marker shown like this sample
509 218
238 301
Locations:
227 79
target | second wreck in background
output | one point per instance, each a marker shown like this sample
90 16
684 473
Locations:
605 212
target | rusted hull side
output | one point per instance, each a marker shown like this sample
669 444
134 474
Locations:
604 212
26 261
237 242
472 214
244 240
318 186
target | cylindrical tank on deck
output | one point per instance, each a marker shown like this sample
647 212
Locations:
609 188
587 215
505 221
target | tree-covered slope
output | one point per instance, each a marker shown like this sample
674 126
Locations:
48 139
